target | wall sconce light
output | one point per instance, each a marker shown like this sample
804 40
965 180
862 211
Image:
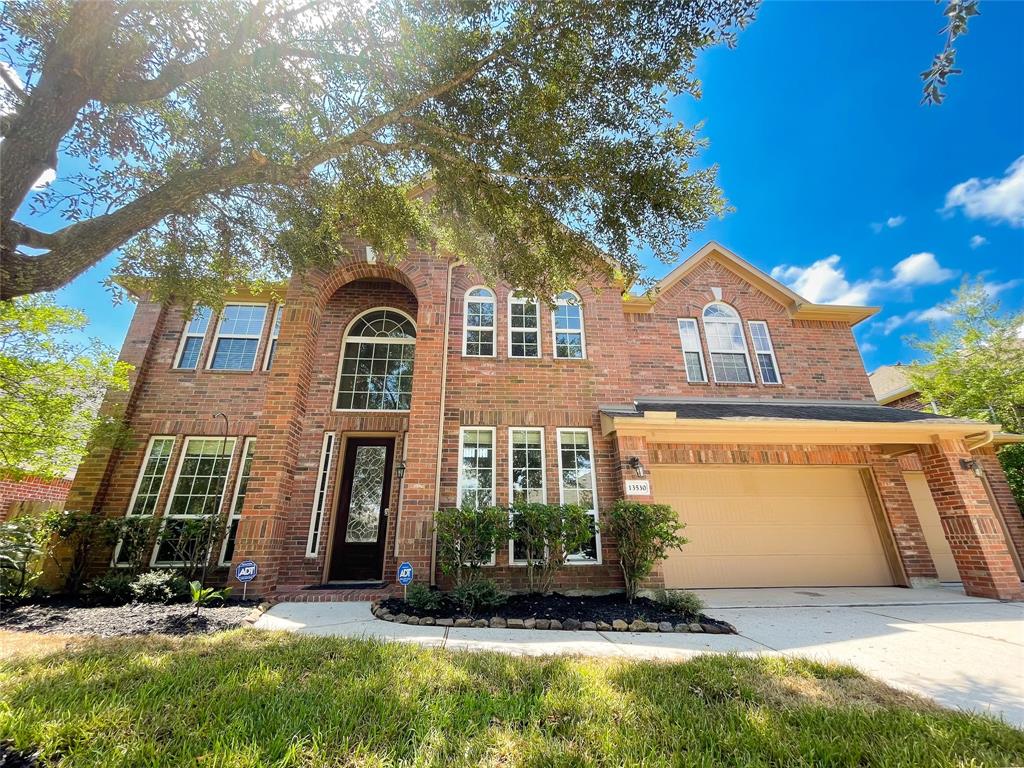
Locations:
973 465
400 470
635 465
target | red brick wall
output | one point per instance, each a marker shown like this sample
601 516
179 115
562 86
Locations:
31 489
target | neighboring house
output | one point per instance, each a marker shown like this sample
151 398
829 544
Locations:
31 492
892 387
378 393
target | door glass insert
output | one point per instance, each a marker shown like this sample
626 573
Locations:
367 494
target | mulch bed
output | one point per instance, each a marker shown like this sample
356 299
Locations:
563 609
132 619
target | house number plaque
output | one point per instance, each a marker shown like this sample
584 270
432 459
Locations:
638 487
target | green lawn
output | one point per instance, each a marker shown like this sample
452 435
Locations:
249 698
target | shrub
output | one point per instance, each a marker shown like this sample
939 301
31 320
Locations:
191 542
423 598
136 535
479 595
158 587
545 535
21 551
644 534
113 588
73 537
467 539
203 596
680 601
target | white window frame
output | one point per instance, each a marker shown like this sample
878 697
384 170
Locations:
514 299
743 338
153 562
543 479
234 500
138 485
493 327
560 302
217 336
186 335
770 352
375 340
574 560
494 470
320 494
699 350
275 334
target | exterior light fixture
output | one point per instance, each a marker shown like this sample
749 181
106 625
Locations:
635 465
973 465
400 470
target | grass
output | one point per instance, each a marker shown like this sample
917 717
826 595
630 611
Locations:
249 698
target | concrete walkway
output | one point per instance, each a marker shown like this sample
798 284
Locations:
963 652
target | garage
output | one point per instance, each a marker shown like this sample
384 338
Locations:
928 516
772 527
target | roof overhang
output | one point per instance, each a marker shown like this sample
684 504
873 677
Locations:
799 308
666 427
896 394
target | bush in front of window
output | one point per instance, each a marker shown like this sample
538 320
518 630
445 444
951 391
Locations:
467 539
112 588
158 587
189 542
73 536
544 536
479 595
644 534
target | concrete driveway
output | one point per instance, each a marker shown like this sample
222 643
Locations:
963 652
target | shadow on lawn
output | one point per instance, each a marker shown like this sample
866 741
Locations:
249 698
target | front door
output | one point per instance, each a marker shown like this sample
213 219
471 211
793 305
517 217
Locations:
362 519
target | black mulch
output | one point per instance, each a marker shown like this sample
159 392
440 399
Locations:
133 619
12 758
594 608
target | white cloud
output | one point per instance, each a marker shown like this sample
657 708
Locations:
45 178
825 281
996 199
920 269
867 346
993 289
892 222
930 315
977 241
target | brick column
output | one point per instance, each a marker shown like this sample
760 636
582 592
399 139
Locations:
1003 495
969 522
907 534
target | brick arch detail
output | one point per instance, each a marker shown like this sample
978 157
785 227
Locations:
349 273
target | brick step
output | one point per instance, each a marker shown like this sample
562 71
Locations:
303 595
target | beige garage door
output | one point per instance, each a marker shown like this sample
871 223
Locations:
928 515
772 527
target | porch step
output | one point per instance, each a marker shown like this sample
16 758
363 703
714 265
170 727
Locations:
331 593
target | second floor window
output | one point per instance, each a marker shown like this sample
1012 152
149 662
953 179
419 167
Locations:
275 332
693 355
192 339
767 366
478 336
238 337
523 327
567 325
376 363
726 345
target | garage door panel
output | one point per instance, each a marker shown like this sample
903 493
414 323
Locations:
772 526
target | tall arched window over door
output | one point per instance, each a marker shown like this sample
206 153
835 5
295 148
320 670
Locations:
376 362
727 347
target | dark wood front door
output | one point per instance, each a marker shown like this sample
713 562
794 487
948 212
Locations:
362 519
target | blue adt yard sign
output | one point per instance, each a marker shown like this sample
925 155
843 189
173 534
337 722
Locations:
245 572
405 574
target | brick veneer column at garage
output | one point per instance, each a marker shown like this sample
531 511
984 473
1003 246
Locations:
1003 495
636 445
974 534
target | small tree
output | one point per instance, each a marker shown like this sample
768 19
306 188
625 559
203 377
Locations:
136 536
73 537
644 534
191 542
545 535
467 539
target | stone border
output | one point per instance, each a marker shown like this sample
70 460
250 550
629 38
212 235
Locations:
498 622
254 615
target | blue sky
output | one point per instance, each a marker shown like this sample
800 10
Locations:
838 175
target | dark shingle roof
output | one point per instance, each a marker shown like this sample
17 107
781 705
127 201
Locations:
739 410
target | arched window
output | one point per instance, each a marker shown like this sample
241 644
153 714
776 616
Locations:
728 349
478 332
567 326
376 362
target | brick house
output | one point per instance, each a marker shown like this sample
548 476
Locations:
373 394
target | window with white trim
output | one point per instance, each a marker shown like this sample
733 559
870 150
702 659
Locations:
275 332
577 485
147 487
239 329
478 334
375 373
525 474
476 467
523 327
764 351
192 339
320 496
197 494
730 362
567 327
693 355
235 516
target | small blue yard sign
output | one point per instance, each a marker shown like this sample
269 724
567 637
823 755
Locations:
246 571
405 574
